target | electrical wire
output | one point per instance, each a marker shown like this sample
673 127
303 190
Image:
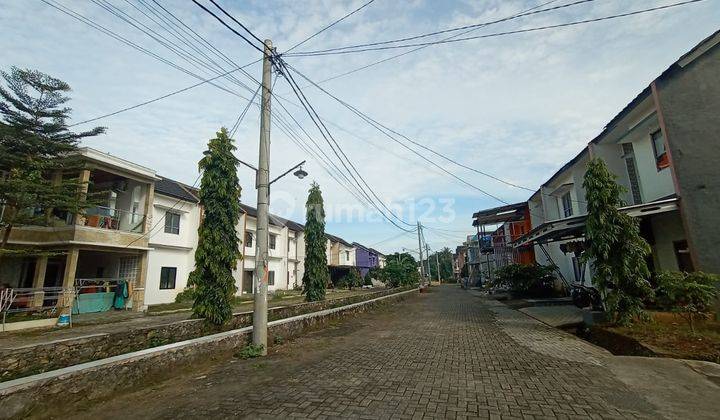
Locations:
219 19
497 34
242 114
402 54
328 26
476 25
238 22
330 140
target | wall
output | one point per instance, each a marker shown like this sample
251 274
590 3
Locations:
689 101
171 250
667 228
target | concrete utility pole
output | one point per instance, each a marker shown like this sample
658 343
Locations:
427 260
437 261
422 267
262 183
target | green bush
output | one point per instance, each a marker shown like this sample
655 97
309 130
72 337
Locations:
688 294
187 295
250 351
368 279
525 279
351 279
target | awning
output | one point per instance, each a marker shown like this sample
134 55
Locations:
574 227
511 212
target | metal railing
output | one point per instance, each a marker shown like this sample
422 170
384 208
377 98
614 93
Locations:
113 218
50 302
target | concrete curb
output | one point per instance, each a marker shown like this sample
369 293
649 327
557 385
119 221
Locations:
102 378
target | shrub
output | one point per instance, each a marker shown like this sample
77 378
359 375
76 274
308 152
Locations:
187 295
250 351
351 279
524 279
368 280
687 294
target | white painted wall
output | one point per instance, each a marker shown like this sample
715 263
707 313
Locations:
171 250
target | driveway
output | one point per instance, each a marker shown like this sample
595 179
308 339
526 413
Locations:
445 354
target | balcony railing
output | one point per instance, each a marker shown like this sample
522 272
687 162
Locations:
114 219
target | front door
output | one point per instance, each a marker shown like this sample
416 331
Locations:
247 281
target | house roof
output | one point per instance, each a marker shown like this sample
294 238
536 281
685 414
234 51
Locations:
358 245
376 252
704 45
175 189
500 214
273 219
334 238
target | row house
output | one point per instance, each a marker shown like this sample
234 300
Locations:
663 148
498 228
91 253
341 257
367 258
286 252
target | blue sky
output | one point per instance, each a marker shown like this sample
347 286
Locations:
515 106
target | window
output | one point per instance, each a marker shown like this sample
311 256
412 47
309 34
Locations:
167 277
629 156
347 255
271 278
567 204
172 223
273 239
248 239
661 157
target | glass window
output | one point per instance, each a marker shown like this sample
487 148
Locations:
347 255
567 204
271 278
167 277
248 239
658 142
273 240
172 223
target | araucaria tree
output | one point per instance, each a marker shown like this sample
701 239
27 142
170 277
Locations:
38 174
316 274
218 244
615 249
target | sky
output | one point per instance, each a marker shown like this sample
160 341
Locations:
516 106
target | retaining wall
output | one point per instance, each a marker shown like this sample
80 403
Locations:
37 358
44 393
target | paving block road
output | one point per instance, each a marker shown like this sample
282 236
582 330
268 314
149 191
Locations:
446 354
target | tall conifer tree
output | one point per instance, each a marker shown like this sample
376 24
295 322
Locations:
218 244
316 275
35 145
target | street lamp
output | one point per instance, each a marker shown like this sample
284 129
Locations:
262 230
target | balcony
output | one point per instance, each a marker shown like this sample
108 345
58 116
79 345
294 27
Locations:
103 217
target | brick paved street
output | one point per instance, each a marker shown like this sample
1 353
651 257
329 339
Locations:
446 354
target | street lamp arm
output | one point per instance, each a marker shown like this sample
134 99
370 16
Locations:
287 172
248 165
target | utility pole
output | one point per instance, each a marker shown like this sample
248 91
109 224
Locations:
437 261
427 259
422 267
262 183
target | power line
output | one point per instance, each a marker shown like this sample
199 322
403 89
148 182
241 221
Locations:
330 140
242 114
402 54
497 34
379 128
141 104
89 22
238 22
219 19
328 26
476 25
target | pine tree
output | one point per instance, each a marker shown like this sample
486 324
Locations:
316 274
35 144
218 244
616 250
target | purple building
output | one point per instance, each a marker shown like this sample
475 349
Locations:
365 258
